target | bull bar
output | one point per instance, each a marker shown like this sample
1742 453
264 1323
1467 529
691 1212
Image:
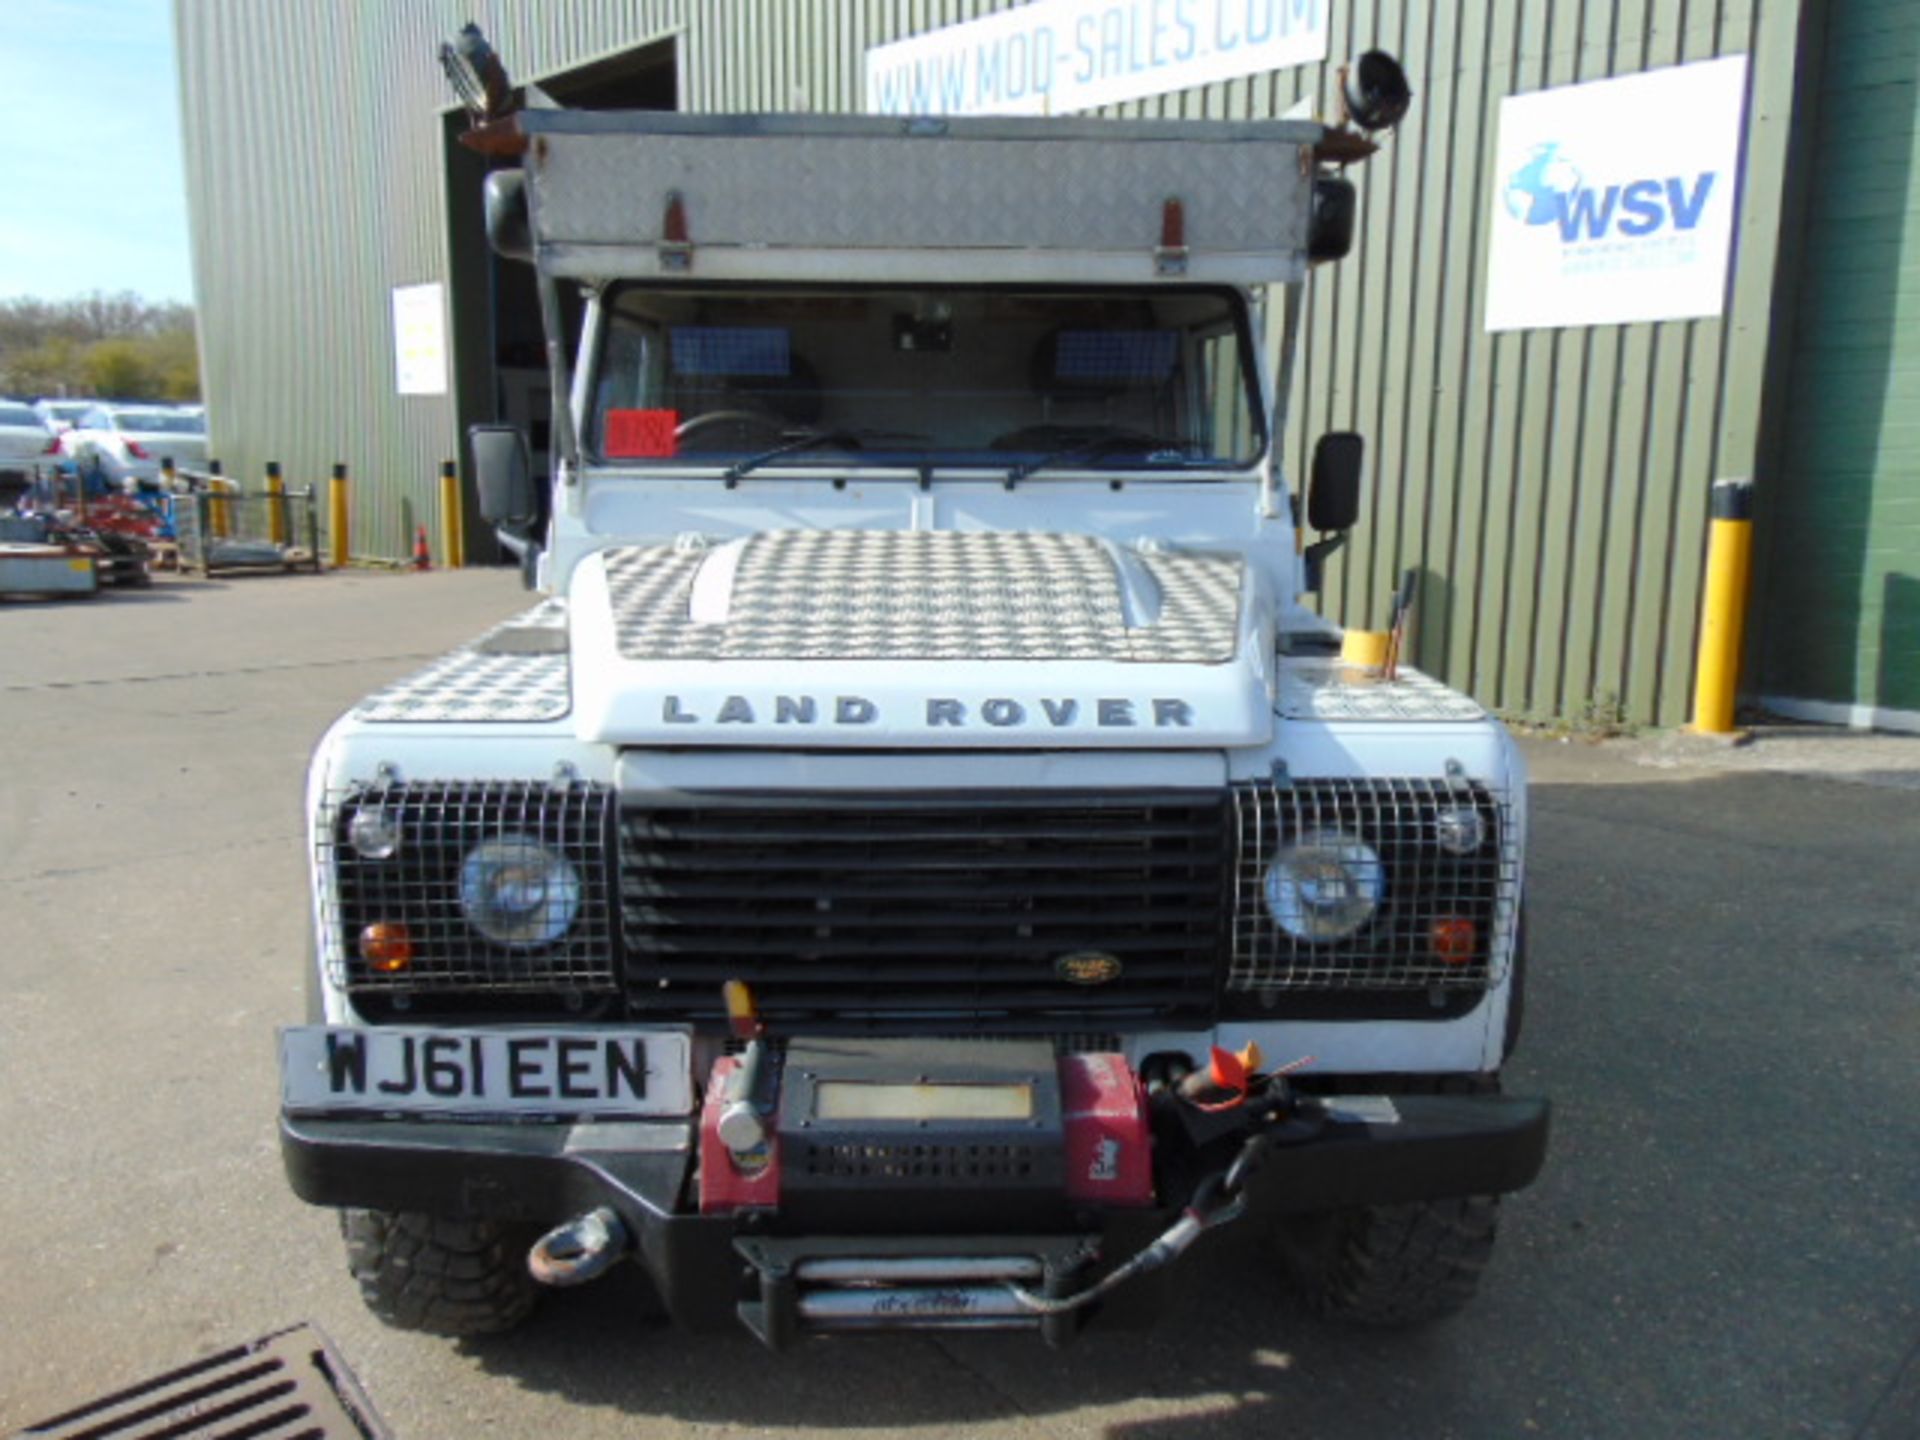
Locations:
714 1272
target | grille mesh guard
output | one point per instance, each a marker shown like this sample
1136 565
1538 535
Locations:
439 825
849 908
1422 884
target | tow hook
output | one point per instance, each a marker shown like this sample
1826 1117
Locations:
579 1250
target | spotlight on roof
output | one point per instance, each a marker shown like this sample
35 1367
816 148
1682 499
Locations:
1376 91
476 75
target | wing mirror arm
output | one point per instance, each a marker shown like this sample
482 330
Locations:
1314 559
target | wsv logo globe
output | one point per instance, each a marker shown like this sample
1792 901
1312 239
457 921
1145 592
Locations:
1549 189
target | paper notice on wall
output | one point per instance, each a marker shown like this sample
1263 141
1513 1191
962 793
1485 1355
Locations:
1614 201
420 339
1055 57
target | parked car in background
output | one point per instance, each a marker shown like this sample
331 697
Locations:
128 442
60 415
27 447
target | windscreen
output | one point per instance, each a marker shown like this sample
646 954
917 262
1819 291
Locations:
1122 379
20 416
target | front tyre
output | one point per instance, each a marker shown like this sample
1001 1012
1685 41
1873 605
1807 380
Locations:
1393 1266
441 1276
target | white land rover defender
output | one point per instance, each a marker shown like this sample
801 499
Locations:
921 865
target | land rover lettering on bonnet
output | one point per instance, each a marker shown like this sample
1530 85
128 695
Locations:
1000 711
921 861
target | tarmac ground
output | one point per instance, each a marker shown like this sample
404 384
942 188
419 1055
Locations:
1724 1004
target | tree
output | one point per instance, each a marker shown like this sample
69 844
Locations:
99 344
120 368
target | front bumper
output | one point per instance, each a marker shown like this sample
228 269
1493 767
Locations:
704 1266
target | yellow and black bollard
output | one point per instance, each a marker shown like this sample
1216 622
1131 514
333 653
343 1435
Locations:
278 531
1724 609
216 505
337 516
453 546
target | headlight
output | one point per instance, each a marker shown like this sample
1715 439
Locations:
1325 885
1459 829
518 892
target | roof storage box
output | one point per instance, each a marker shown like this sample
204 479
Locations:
818 197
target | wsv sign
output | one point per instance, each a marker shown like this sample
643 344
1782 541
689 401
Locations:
1614 200
1549 190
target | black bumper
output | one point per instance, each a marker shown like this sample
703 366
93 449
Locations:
545 1173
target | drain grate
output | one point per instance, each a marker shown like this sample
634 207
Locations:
290 1385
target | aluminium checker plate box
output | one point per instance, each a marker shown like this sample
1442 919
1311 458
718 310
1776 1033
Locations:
818 197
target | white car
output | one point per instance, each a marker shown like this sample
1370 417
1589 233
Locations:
60 415
128 442
27 446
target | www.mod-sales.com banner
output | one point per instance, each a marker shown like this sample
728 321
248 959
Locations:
1054 57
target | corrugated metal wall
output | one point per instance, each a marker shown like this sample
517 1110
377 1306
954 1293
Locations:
314 150
1551 486
1841 606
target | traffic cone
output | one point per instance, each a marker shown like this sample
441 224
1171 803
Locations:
422 560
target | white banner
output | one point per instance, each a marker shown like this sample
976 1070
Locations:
1614 201
1054 57
419 339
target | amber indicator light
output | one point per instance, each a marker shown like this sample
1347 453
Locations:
387 947
1455 940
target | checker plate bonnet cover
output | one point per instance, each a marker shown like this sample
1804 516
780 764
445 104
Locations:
699 645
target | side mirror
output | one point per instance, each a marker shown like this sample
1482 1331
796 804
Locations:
509 500
503 474
1333 498
1333 494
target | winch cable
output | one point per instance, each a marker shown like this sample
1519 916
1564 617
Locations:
1219 1199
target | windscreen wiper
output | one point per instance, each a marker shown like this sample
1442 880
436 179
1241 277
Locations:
811 440
1156 450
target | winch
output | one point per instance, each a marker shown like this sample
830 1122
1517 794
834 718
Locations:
916 1183
921 1136
955 1184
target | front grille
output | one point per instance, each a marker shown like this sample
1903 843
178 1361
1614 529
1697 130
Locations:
843 909
418 886
1421 885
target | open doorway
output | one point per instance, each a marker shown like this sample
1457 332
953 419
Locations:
499 355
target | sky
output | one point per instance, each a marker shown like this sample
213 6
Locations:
92 196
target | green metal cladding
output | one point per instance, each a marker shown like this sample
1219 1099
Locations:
1551 486
1841 601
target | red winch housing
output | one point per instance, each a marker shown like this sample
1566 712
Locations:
1103 1140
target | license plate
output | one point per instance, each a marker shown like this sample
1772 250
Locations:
331 1068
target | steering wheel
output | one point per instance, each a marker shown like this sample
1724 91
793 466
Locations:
714 419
